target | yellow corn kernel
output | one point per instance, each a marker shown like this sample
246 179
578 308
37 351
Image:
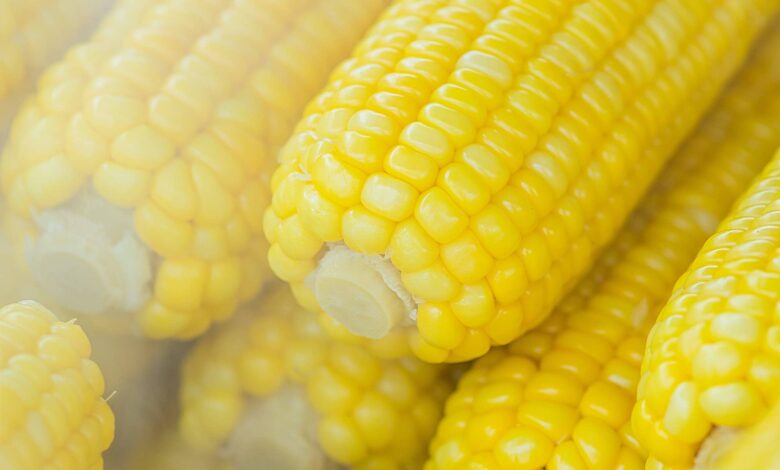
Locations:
534 130
571 383
50 395
154 140
264 382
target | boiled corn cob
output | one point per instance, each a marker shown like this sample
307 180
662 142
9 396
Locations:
52 414
149 186
712 359
33 33
561 396
464 167
271 389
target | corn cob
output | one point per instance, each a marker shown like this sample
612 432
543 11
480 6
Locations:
33 33
470 160
52 412
560 396
711 359
273 390
149 188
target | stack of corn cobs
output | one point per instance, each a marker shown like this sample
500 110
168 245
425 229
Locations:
506 234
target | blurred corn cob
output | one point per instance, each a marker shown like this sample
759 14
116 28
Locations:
272 390
53 413
33 34
753 449
472 158
561 396
149 188
712 359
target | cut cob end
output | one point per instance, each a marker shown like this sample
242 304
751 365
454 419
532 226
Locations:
364 293
88 259
274 434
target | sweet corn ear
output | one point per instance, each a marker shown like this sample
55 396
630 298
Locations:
53 413
273 389
562 395
485 152
710 359
149 187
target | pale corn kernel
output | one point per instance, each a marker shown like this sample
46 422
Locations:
434 283
112 115
598 444
732 404
505 323
508 279
174 191
411 247
296 240
142 148
495 230
555 420
330 393
165 235
608 403
318 214
260 374
490 169
389 197
441 218
52 181
120 185
684 418
365 232
286 268
558 387
439 326
224 282
85 147
484 430
500 394
536 256
474 306
181 282
209 151
466 259
337 181
377 419
458 127
523 448
215 203
718 363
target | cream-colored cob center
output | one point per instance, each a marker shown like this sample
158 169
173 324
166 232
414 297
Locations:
362 292
88 258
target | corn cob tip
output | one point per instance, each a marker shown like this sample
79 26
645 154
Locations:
88 259
277 432
363 293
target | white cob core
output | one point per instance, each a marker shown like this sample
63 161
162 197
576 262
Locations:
362 292
88 258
